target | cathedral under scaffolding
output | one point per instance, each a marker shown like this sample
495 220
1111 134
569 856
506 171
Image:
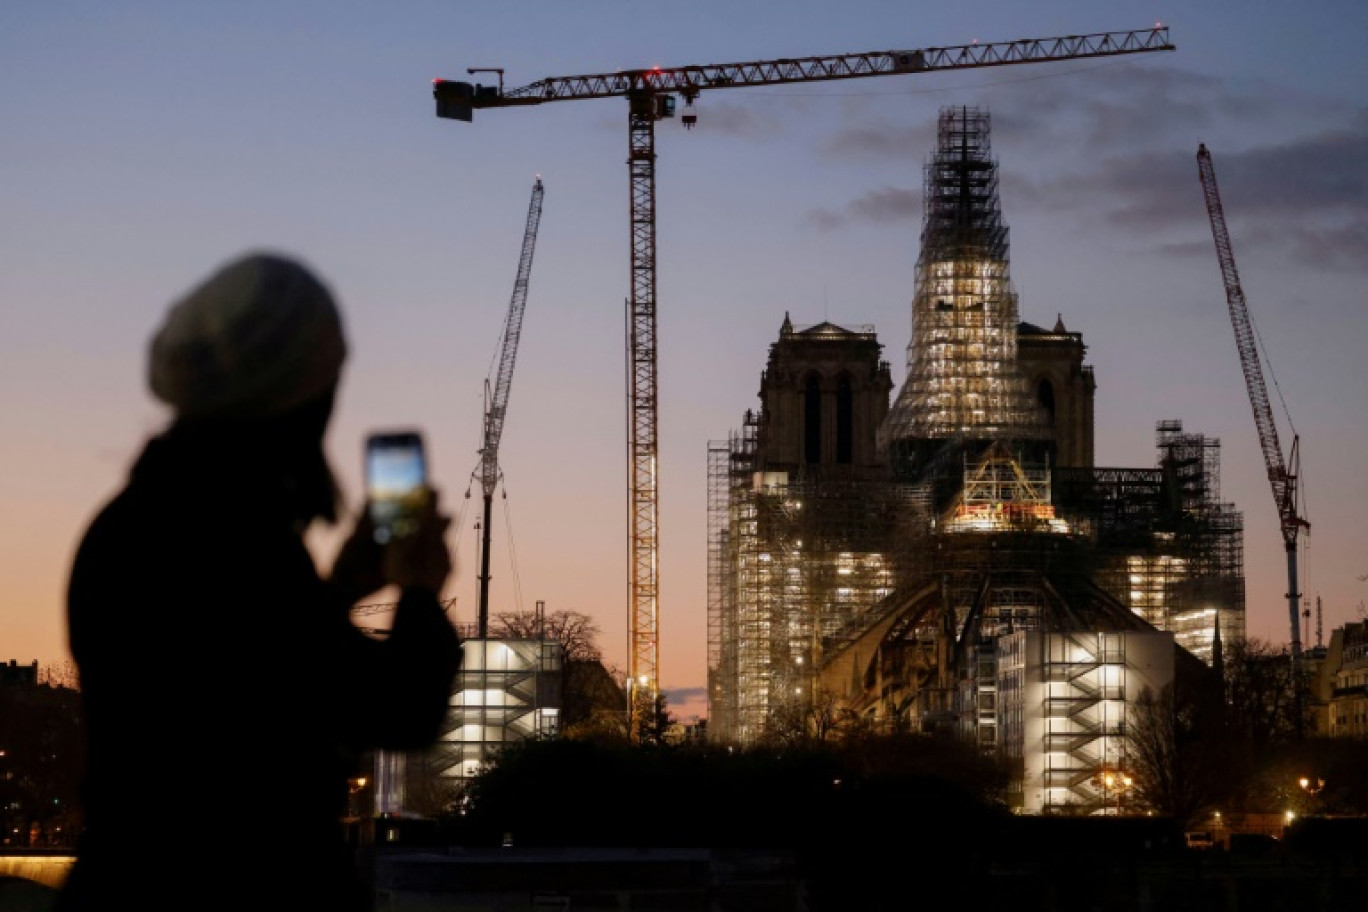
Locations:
880 564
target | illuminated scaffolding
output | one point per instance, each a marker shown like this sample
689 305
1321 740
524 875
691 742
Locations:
962 372
1014 546
1165 544
995 561
963 516
721 588
1209 537
793 563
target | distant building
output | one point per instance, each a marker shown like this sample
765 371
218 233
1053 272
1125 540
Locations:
507 690
898 564
16 675
1344 691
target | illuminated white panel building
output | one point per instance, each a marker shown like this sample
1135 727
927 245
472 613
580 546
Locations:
1062 702
508 690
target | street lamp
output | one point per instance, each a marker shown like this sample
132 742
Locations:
1113 780
354 787
1312 786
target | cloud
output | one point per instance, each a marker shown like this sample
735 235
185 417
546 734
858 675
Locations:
887 205
1343 247
884 139
684 695
1116 105
1303 197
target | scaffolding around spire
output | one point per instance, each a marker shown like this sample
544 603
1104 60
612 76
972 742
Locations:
963 379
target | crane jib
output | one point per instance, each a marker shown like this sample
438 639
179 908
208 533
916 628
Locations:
457 100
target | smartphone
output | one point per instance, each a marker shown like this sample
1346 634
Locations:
396 481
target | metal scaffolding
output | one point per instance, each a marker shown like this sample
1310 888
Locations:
793 563
721 593
962 372
810 567
1165 545
890 580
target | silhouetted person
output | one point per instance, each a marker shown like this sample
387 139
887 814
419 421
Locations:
227 694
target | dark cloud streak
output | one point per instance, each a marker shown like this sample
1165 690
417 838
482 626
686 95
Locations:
888 205
1290 166
685 694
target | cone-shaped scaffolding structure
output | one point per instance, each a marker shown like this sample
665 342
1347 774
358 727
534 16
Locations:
963 380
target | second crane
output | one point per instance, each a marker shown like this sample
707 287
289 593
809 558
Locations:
1282 476
497 401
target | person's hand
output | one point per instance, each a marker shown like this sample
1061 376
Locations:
358 571
420 559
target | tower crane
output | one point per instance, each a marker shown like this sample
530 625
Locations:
497 403
651 95
1282 476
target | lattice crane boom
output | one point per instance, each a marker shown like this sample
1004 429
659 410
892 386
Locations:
1281 478
688 81
651 97
496 407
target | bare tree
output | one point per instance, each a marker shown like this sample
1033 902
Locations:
576 632
826 714
1178 762
804 721
1261 694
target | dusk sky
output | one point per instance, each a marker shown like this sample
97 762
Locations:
145 143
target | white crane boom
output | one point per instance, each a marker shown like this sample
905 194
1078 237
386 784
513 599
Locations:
497 404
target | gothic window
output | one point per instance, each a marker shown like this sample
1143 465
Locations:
1046 397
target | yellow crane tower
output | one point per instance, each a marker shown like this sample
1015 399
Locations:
651 95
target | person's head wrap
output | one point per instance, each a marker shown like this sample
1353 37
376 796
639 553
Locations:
258 337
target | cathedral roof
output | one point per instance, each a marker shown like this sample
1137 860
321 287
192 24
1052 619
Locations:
825 328
1031 329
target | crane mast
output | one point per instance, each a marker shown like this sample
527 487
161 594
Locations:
1281 478
497 403
651 96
